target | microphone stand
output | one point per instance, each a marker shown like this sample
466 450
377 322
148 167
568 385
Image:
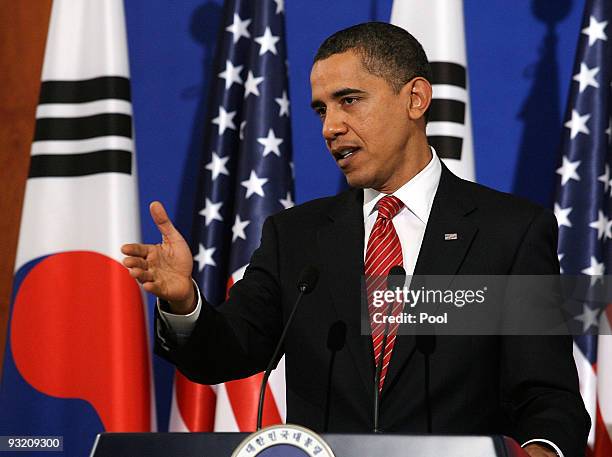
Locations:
395 273
270 367
306 284
379 363
426 345
335 342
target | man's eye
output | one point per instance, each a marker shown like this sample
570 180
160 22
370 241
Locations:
349 100
320 112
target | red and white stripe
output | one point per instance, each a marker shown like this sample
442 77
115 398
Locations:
384 252
228 407
596 390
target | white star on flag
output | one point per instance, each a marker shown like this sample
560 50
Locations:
211 212
267 42
586 77
283 102
589 317
254 185
601 224
217 166
224 120
251 83
568 170
595 30
239 28
562 216
231 74
595 270
280 6
270 143
609 131
287 202
205 257
238 228
242 127
577 124
605 178
560 257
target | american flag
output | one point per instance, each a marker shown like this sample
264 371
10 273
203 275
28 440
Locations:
584 210
246 176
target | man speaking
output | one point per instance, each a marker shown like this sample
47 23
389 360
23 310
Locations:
371 89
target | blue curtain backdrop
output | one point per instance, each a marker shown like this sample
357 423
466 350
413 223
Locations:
520 54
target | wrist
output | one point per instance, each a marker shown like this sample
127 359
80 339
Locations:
186 306
540 449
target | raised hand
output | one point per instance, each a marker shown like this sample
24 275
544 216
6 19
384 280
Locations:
163 269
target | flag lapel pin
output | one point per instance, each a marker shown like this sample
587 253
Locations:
450 236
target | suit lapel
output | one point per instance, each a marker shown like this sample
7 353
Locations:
439 256
341 248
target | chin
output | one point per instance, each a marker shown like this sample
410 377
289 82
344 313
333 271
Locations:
355 182
359 182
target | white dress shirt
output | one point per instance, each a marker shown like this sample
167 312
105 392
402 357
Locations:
417 195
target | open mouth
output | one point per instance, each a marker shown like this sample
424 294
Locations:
343 154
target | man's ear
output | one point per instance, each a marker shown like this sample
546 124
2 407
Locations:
418 94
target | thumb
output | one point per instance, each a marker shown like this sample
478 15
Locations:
163 222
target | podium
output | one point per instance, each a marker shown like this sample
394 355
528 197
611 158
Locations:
343 445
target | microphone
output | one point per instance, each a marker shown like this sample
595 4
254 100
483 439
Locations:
308 279
307 282
395 279
426 344
336 339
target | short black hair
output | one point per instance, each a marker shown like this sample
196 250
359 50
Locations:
386 50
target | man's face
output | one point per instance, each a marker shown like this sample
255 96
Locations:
365 123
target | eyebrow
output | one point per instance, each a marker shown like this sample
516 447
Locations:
337 94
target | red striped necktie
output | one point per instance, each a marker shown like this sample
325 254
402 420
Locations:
384 251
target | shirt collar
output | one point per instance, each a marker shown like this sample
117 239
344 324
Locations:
417 194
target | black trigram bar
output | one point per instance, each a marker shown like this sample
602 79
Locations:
447 147
448 73
81 128
85 91
444 110
65 165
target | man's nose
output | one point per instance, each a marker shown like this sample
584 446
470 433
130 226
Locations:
333 126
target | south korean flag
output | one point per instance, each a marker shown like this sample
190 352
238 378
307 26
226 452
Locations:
78 360
438 25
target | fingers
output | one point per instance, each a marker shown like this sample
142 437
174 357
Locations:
136 262
149 287
137 266
153 288
136 249
161 219
140 275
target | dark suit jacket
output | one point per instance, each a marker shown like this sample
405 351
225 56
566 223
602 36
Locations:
524 387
